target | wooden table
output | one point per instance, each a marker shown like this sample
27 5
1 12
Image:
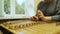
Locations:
33 27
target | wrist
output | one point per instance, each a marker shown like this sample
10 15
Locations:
42 17
46 19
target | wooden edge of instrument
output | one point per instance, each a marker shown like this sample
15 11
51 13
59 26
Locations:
8 29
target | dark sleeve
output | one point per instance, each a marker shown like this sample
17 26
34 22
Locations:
57 16
40 6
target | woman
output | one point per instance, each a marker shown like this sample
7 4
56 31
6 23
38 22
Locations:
48 11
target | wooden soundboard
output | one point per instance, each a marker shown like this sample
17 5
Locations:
31 27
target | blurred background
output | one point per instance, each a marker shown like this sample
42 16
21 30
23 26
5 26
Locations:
13 8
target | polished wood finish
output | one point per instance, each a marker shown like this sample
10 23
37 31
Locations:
31 27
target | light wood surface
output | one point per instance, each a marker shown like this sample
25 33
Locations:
31 27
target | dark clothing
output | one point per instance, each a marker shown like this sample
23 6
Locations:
52 9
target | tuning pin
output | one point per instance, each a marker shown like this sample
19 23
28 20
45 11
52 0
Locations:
16 26
25 25
34 23
31 24
28 25
11 27
19 26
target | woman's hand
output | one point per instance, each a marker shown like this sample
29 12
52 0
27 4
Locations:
34 18
40 14
42 17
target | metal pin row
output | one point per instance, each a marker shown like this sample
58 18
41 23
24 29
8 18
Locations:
22 25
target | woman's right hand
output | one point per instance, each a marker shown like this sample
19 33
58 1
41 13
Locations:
34 18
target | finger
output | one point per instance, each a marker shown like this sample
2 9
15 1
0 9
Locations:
39 12
35 18
32 18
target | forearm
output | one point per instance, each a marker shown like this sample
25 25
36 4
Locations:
47 19
51 18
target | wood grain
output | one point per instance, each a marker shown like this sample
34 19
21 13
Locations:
31 27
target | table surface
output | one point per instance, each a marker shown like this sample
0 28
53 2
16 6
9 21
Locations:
40 28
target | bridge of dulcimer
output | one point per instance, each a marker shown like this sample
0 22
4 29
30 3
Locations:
31 27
